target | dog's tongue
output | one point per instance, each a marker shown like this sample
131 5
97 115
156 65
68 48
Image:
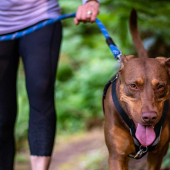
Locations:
145 134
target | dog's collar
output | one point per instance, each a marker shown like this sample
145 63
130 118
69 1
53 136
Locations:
140 150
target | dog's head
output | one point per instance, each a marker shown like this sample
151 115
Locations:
144 88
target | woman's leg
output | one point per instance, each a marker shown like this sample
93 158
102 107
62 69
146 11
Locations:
40 51
8 107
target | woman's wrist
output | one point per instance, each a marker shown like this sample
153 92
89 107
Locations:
92 0
86 1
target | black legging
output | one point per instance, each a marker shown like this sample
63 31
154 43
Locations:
39 51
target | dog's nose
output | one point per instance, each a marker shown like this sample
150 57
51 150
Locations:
149 117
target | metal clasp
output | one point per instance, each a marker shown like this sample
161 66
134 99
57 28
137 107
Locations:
141 152
118 57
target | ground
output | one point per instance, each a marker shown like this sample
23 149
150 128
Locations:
82 151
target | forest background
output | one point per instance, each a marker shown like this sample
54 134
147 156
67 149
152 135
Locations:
86 62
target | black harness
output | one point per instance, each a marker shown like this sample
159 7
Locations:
140 149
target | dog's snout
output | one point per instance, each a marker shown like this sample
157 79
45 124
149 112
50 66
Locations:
149 117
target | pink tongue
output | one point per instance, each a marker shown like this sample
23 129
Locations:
145 134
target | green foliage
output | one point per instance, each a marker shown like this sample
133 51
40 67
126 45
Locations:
22 123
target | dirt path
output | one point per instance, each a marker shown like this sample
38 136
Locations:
75 149
86 151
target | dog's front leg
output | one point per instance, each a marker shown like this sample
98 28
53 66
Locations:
119 163
154 160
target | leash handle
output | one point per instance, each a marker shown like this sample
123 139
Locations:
117 53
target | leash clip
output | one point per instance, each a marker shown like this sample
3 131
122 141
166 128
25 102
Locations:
118 57
142 150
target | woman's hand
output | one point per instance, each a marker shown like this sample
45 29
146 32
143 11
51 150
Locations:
87 12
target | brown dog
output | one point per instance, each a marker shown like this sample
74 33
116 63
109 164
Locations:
142 88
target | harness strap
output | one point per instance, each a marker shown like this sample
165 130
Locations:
121 112
106 88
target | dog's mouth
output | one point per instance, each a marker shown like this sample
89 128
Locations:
145 134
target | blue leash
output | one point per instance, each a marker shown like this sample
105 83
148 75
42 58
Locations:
109 41
116 52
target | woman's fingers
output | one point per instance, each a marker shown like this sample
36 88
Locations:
87 12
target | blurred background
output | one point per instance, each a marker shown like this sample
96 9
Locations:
86 64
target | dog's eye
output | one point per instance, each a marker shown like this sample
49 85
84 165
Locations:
161 87
133 86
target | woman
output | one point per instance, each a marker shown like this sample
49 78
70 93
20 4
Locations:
39 51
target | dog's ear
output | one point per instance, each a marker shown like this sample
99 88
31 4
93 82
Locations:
124 60
165 62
